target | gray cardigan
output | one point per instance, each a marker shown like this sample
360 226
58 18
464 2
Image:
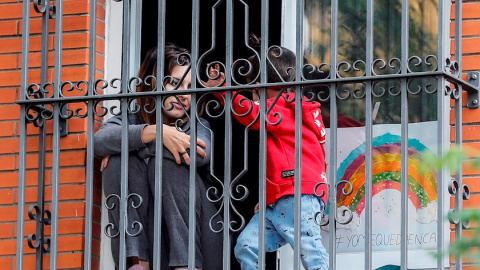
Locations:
108 139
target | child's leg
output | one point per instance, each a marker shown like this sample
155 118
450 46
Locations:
246 249
313 253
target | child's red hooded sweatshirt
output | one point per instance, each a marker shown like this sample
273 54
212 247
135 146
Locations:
281 145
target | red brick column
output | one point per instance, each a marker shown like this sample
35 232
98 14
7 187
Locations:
73 147
471 117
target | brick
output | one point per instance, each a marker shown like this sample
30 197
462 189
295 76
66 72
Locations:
6 263
8 247
101 12
75 124
8 179
66 260
67 176
471 203
75 141
8 214
75 158
6 231
473 183
470 169
11 11
467 267
100 46
75 73
9 146
7 129
66 193
8 62
70 243
7 163
70 24
97 229
469 28
10 112
78 125
470 45
72 175
72 209
8 95
470 133
8 28
99 62
71 226
75 40
100 28
70 57
76 7
9 79
6 196
66 211
14 45
471 63
469 11
72 74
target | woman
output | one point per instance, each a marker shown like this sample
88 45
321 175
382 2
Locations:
175 173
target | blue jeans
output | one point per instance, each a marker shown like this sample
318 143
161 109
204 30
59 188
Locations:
280 231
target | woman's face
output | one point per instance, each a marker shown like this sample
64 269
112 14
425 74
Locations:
177 112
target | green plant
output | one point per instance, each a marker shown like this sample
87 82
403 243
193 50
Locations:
468 244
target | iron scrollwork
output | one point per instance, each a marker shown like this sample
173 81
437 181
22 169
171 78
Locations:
343 216
110 227
43 217
43 6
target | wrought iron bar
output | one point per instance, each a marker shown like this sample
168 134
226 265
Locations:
193 139
87 261
262 194
298 135
458 125
39 216
23 135
157 235
333 137
409 76
369 136
123 220
56 133
442 107
404 135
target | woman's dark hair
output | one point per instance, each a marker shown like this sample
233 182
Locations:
174 55
282 59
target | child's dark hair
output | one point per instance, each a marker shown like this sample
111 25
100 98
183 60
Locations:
280 63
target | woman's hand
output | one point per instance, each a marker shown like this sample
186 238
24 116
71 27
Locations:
175 141
104 163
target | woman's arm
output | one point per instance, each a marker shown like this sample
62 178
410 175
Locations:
108 139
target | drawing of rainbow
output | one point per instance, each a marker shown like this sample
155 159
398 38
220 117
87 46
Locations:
386 171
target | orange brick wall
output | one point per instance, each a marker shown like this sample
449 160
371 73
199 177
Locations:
471 117
73 148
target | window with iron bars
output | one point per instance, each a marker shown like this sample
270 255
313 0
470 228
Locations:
380 70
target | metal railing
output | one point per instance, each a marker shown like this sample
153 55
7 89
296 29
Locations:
46 101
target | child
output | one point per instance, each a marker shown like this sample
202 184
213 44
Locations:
281 167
